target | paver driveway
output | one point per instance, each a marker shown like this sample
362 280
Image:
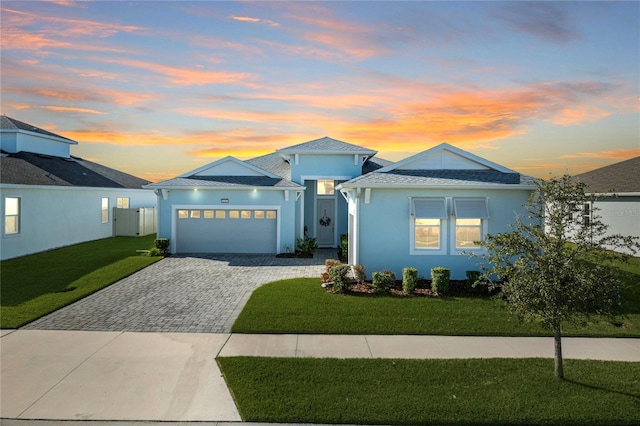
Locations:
190 294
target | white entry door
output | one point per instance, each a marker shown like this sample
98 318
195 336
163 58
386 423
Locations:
325 224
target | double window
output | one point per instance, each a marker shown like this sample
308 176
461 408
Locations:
105 210
442 225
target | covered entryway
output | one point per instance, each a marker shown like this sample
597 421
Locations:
229 230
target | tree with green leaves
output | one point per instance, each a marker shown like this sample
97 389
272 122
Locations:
557 263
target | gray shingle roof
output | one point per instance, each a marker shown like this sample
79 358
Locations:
439 177
273 163
8 123
326 145
228 182
26 168
618 177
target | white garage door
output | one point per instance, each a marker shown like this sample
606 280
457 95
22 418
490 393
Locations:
226 231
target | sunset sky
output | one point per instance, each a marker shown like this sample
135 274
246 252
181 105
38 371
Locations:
158 88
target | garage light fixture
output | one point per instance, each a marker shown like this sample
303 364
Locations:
224 200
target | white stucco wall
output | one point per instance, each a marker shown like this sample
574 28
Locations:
13 141
53 216
621 215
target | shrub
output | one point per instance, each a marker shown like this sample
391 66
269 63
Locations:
383 281
330 263
306 245
409 280
440 280
474 285
360 275
338 274
344 246
161 247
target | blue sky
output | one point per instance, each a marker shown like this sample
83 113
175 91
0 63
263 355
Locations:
159 88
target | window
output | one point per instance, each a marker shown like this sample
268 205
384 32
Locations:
586 215
271 214
105 210
325 187
234 214
183 214
195 214
468 231
122 202
208 214
245 214
429 214
258 214
469 214
435 231
11 215
427 234
221 214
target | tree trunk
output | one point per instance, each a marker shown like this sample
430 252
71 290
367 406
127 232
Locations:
559 370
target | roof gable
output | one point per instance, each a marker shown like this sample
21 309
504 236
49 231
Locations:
326 145
229 166
445 157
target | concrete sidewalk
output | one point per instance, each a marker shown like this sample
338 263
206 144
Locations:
134 376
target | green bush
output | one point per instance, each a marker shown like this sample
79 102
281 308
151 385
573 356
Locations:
440 280
161 247
360 274
306 245
409 280
474 285
339 275
344 246
383 281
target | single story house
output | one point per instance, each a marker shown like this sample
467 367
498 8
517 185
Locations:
50 198
619 206
423 211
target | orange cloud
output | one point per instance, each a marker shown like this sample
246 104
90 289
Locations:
71 109
621 154
579 114
185 76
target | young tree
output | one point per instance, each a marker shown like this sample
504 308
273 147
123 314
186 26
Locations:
557 264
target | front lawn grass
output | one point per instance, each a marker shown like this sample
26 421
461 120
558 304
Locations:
473 391
35 285
302 306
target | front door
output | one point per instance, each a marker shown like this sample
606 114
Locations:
325 224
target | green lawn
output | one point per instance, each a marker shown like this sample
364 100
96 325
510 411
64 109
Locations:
35 285
474 391
302 306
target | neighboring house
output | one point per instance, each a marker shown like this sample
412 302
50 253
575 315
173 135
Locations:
51 199
619 208
422 211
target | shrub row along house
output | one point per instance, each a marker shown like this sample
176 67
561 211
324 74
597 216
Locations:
424 211
52 199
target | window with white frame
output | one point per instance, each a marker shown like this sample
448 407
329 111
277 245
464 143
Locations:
11 215
429 216
433 232
122 202
469 213
105 210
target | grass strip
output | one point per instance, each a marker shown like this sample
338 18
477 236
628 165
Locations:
301 306
444 392
35 285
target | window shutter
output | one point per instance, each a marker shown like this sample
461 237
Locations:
471 208
429 208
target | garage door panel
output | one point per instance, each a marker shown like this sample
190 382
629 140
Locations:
213 232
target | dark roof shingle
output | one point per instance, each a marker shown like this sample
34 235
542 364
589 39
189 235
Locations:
618 177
